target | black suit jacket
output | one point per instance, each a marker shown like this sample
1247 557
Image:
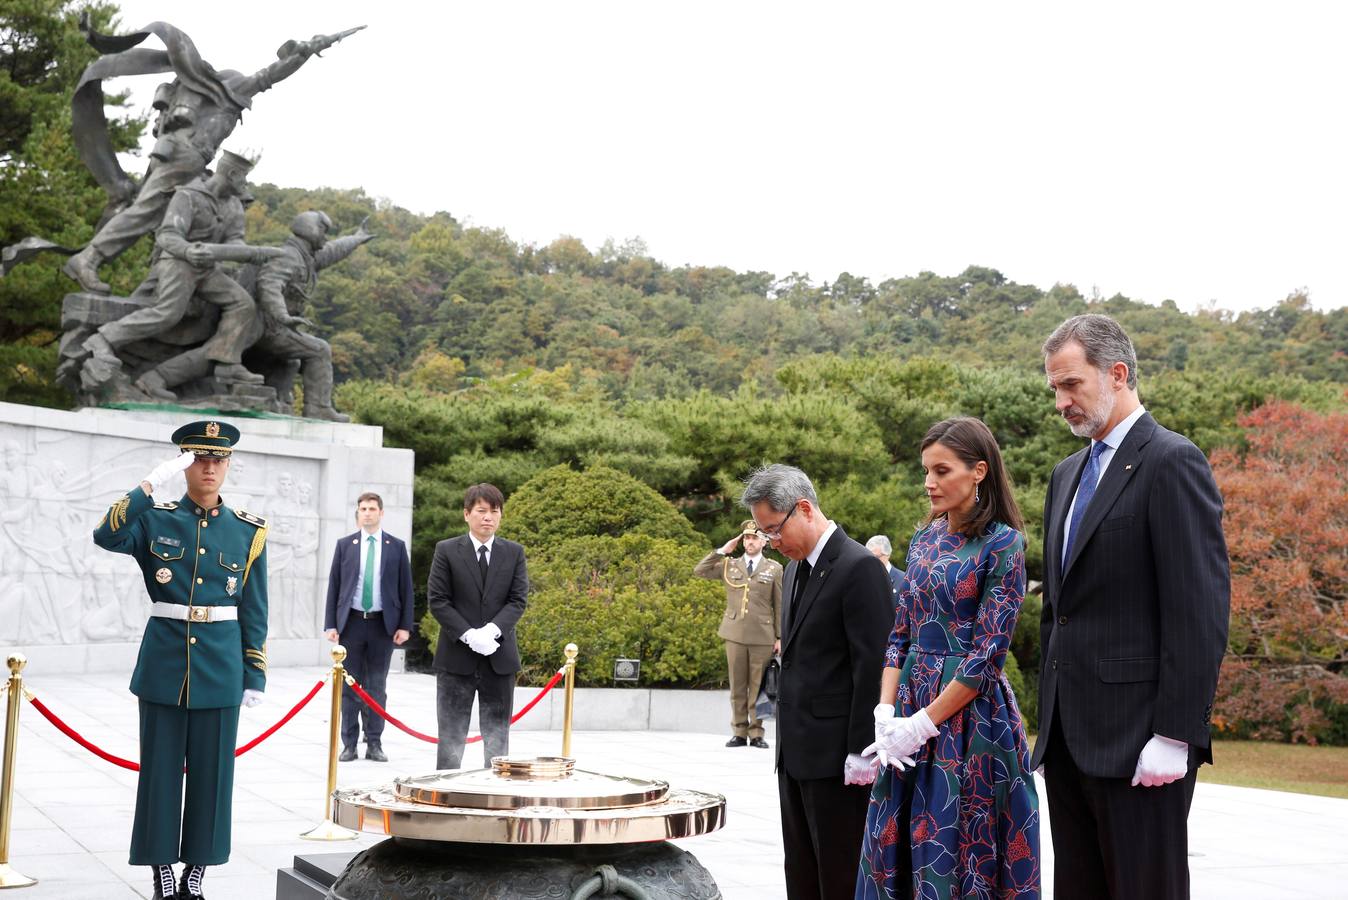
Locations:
1134 624
459 601
832 652
395 583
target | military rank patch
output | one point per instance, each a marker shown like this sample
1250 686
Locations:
231 585
163 576
250 518
167 504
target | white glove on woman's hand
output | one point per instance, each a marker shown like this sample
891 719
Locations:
903 737
161 473
1162 761
251 697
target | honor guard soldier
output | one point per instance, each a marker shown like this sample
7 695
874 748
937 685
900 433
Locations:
751 626
203 653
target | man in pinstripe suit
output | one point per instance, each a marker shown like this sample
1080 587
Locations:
1136 605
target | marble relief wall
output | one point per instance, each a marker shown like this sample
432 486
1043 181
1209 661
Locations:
62 470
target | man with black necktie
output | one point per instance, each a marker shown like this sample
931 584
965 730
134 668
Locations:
369 609
836 621
1136 607
477 591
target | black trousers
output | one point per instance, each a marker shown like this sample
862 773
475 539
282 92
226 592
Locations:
822 822
1112 840
454 708
368 652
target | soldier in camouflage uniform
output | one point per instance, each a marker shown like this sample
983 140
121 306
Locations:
751 626
203 653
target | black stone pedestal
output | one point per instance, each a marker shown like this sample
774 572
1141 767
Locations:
403 869
311 876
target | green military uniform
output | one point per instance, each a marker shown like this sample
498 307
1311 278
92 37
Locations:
204 644
751 624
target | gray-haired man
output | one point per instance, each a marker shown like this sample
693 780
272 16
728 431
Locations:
881 548
836 618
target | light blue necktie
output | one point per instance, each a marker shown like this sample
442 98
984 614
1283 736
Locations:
1090 476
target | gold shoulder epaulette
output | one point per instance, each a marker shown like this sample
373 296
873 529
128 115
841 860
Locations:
250 518
167 504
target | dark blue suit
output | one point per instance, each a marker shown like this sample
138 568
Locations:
896 581
368 638
1131 639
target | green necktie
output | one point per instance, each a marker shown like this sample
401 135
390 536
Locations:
367 589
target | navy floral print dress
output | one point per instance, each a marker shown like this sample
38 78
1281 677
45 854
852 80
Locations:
972 823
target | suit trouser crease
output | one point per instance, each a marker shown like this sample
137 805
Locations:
746 663
454 707
822 824
369 649
1113 840
166 828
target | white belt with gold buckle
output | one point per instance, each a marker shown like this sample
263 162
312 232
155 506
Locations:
193 613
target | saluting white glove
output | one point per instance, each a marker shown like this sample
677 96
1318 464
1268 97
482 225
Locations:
161 473
251 697
1162 761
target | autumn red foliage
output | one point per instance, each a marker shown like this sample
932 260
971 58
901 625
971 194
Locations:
1285 676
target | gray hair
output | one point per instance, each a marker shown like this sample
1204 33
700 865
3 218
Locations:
779 486
881 543
1103 339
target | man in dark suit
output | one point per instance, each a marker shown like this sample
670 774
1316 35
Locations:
369 610
882 549
835 623
476 591
1136 605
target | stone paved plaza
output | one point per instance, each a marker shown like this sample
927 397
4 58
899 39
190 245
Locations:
72 811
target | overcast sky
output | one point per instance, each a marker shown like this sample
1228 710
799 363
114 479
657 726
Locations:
1188 151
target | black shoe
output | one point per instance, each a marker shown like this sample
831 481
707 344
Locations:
737 742
375 753
759 743
347 754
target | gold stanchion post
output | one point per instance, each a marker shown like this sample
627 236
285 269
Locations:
9 878
571 651
328 830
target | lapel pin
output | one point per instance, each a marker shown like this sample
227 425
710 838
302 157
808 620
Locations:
1128 468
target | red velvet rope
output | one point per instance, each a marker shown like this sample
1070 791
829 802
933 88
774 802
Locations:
360 692
135 767
77 738
294 710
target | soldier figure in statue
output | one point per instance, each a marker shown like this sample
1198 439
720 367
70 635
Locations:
282 286
197 111
202 228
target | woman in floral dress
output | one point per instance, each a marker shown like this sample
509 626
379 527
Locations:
954 811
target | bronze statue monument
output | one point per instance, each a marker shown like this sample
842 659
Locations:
195 332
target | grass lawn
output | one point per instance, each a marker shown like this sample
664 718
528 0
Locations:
1277 767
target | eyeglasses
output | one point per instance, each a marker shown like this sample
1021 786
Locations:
774 533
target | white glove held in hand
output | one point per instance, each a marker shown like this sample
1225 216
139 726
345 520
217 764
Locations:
860 768
1162 761
901 738
251 697
481 640
161 473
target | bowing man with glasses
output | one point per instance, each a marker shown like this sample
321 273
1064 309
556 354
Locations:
836 617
